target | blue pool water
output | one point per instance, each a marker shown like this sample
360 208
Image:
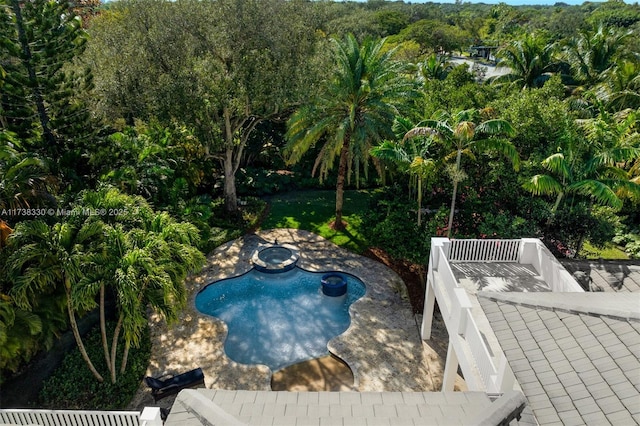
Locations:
278 319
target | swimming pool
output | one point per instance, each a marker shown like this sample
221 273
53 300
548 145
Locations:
278 319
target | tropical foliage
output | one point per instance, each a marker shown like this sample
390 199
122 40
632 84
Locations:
461 133
610 143
153 109
410 155
354 109
530 61
142 257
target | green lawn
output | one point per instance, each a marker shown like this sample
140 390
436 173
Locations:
609 252
314 210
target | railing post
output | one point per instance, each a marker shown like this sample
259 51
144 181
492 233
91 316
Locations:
464 305
450 369
505 379
151 416
427 313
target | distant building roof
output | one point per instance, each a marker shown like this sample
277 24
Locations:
575 355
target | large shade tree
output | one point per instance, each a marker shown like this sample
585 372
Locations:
219 68
462 133
354 110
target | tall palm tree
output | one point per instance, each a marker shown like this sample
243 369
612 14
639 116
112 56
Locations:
162 254
592 53
354 110
460 132
530 59
49 256
411 155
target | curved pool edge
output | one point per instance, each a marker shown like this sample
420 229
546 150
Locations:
365 354
335 345
223 338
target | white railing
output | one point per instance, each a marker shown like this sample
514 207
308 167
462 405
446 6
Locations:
461 327
485 371
447 275
481 355
149 417
535 253
456 309
484 250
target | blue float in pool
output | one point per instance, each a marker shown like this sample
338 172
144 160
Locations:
334 285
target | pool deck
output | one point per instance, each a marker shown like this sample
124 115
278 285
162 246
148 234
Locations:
382 345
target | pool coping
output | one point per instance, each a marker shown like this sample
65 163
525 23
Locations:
283 266
319 275
382 346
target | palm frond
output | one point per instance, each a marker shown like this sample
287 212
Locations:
628 188
557 163
543 185
598 191
496 127
502 147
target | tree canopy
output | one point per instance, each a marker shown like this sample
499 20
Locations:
180 114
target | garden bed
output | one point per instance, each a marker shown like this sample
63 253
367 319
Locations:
411 273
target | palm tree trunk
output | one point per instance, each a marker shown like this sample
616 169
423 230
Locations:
554 208
114 346
76 332
557 203
342 170
103 328
582 234
125 357
455 190
419 201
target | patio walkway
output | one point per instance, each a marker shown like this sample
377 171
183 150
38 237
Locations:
382 346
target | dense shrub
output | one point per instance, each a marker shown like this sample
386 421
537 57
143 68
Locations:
72 386
630 241
391 224
215 224
259 182
572 225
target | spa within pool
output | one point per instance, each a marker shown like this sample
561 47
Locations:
278 319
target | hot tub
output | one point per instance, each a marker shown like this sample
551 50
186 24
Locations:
277 258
